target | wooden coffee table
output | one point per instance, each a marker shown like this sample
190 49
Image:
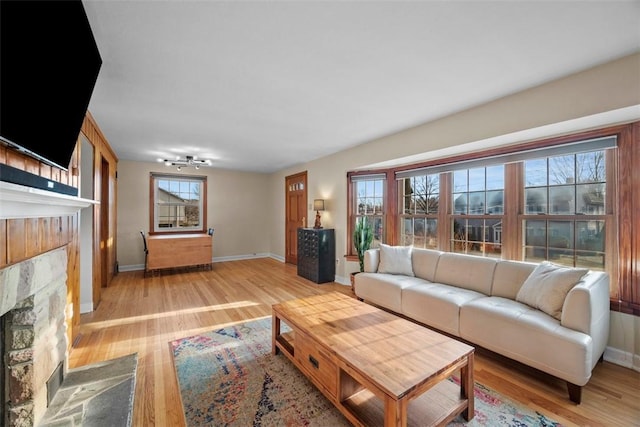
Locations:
375 367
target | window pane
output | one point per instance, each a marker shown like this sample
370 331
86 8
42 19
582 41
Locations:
535 233
535 172
459 243
591 167
535 200
378 231
590 235
591 260
419 229
476 203
408 204
476 179
378 188
495 177
562 170
493 238
562 200
431 241
561 256
560 234
460 181
406 232
475 236
460 203
590 199
495 202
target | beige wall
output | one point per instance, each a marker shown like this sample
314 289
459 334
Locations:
247 209
236 209
578 102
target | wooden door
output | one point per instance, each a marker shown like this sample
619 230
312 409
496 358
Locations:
296 212
105 274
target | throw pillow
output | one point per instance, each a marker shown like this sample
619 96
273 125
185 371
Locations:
548 285
395 260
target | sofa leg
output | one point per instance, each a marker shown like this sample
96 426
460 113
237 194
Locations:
575 392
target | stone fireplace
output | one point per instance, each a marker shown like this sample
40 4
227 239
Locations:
34 345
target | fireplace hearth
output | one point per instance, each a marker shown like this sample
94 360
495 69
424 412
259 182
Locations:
32 305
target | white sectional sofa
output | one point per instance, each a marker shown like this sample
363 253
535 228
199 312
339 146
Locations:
553 319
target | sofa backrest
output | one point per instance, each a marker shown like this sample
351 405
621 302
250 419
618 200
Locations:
509 277
424 262
466 271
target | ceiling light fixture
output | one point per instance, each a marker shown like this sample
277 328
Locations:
186 162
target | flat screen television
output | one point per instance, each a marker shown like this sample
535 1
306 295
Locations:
49 66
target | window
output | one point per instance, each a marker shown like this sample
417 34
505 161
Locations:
477 206
568 199
178 203
369 202
567 195
420 198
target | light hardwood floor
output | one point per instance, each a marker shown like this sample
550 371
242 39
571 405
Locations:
141 315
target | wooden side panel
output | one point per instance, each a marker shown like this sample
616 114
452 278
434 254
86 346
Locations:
16 244
73 276
3 242
31 237
629 223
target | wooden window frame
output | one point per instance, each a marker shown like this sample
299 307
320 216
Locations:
153 177
623 178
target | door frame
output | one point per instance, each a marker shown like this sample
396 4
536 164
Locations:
287 218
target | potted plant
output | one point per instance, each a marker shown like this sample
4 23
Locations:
362 238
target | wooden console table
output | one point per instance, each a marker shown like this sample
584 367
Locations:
375 367
179 250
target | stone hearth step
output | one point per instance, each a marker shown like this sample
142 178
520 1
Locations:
96 395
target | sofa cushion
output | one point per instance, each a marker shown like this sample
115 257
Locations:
509 277
424 263
466 271
395 260
547 286
436 305
527 335
384 290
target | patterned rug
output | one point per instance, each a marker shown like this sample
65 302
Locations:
228 377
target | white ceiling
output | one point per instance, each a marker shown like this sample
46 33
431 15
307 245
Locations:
261 86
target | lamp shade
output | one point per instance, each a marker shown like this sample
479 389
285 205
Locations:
318 205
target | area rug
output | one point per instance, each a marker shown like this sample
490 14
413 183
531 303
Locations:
228 377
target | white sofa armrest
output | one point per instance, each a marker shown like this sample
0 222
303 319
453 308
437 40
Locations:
371 260
586 309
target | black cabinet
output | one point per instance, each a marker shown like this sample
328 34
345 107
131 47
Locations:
317 254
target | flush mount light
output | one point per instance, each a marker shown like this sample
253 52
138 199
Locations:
188 161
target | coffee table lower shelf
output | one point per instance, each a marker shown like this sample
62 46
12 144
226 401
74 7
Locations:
435 407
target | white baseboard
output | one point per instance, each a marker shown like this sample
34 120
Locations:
133 267
622 358
277 257
139 267
343 280
241 257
